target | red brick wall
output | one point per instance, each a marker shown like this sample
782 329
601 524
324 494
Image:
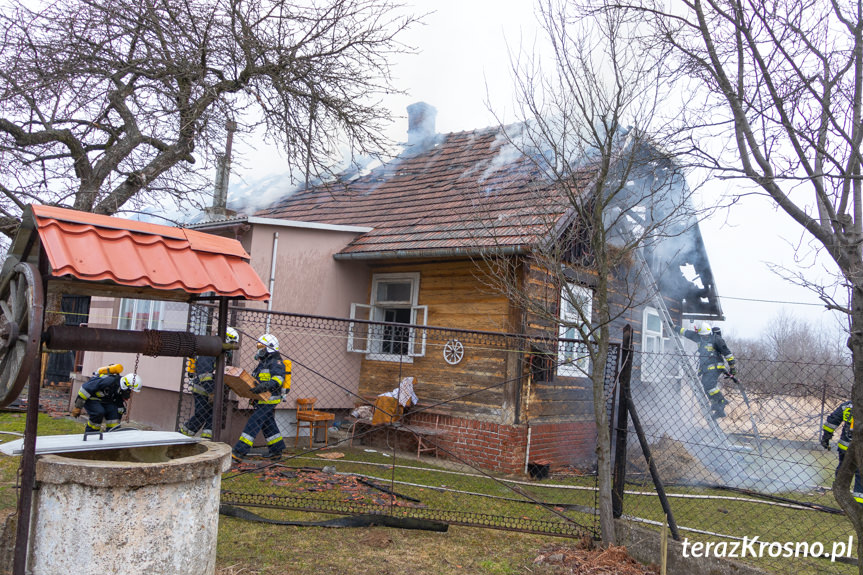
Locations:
502 448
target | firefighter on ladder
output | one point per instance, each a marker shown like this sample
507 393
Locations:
270 374
104 397
713 355
842 416
203 387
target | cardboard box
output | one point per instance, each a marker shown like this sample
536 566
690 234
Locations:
241 382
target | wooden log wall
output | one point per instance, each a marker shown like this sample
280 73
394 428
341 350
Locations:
485 384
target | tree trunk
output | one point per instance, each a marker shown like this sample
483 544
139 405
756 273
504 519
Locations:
845 478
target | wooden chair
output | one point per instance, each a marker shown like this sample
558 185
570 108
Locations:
308 416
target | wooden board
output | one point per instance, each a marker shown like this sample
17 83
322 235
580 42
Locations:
241 382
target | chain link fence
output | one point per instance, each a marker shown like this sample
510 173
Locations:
759 472
477 448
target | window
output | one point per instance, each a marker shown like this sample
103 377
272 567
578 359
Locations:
140 314
576 305
393 302
653 340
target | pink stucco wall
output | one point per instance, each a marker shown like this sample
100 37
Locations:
307 280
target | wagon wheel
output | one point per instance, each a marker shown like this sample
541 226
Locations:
21 313
453 351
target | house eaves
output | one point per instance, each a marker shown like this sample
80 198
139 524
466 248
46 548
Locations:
254 220
433 253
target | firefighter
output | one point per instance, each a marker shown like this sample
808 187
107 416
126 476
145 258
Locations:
842 416
270 375
104 397
203 387
713 355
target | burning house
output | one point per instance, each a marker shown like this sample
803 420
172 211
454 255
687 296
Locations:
413 242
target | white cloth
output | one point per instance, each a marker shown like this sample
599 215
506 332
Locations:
404 392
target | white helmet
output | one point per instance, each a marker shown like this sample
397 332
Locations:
131 381
231 335
268 341
703 329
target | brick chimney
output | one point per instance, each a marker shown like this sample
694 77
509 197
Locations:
421 123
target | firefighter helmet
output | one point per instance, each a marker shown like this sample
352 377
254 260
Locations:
268 341
704 329
231 335
131 381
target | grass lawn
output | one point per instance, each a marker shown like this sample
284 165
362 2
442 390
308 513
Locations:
251 548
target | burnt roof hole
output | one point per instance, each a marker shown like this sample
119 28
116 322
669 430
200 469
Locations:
421 124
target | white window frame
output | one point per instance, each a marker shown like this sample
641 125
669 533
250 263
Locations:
571 324
653 345
371 340
154 320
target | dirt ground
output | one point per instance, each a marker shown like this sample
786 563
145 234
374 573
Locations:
585 560
557 559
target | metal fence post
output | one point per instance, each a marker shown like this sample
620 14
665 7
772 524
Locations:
622 423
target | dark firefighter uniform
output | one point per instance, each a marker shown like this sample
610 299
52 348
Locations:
713 353
202 387
842 416
270 375
104 401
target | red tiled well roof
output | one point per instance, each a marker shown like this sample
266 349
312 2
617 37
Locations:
97 248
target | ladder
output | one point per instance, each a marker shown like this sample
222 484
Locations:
690 373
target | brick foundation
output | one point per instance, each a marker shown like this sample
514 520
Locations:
502 448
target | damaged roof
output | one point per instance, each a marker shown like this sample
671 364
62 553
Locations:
111 251
463 193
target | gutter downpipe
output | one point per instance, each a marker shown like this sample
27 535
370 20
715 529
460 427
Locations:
272 277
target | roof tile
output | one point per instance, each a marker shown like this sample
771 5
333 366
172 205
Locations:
98 248
470 189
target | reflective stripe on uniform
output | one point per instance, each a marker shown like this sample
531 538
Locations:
828 429
271 401
199 390
247 440
713 391
274 439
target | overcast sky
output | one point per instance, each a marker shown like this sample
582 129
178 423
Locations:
463 66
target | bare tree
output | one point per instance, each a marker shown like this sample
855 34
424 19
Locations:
585 125
794 357
773 94
108 106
